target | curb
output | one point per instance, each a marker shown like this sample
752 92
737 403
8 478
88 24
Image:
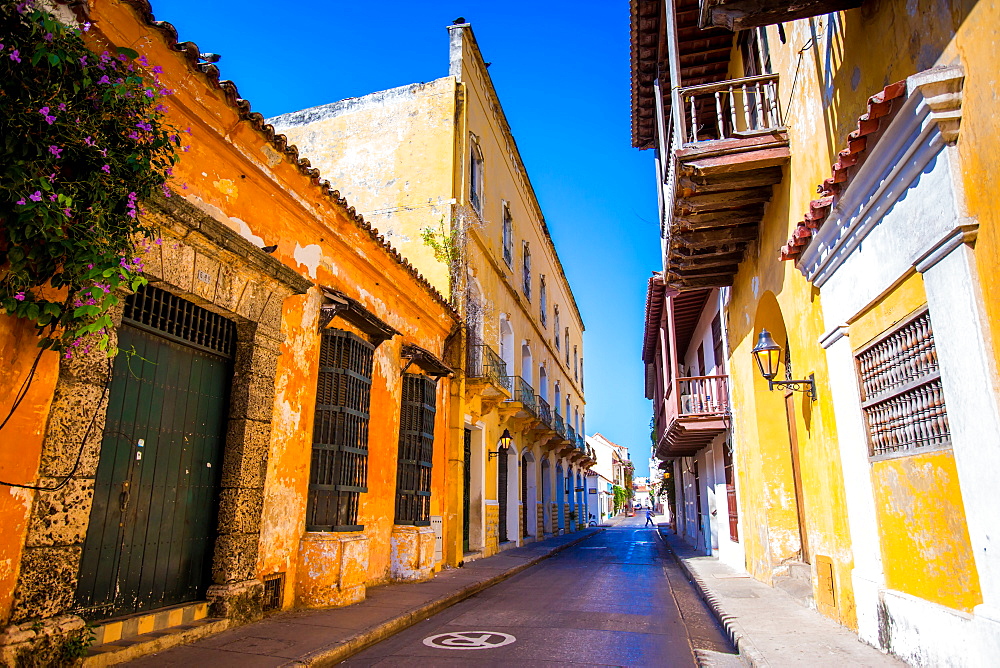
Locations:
748 652
365 639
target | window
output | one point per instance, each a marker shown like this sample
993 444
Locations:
555 324
416 450
901 394
581 372
526 270
542 303
576 373
717 351
508 236
566 340
476 177
338 473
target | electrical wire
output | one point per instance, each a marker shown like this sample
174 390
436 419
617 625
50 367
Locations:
23 391
79 455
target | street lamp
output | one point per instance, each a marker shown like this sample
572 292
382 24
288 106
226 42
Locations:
503 444
767 354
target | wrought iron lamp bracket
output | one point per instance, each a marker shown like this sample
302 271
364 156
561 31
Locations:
808 385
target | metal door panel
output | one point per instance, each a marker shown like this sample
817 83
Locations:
153 520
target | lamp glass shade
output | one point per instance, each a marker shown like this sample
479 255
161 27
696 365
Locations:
767 354
505 440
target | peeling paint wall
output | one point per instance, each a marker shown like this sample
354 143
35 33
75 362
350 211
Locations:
235 175
925 541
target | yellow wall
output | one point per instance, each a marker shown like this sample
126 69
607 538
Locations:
925 542
921 516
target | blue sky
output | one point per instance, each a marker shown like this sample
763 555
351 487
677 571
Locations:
562 73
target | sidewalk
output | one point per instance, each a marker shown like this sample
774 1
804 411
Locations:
327 637
765 624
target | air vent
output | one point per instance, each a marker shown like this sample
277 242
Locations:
274 589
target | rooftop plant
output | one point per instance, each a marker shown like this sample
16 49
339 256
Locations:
83 140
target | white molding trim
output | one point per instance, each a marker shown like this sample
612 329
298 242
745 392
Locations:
927 121
836 334
941 88
963 234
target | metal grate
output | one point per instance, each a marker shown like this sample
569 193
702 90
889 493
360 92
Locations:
274 589
339 468
167 314
901 393
416 450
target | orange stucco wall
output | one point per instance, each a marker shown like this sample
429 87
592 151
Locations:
233 173
20 440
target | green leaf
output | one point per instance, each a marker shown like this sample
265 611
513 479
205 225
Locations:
128 53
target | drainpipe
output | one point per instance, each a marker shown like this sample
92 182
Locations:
674 63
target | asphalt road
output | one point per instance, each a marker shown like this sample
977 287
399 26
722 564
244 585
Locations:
616 599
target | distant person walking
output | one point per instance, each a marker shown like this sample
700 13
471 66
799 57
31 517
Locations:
649 518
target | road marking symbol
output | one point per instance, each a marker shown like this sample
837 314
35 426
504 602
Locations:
469 640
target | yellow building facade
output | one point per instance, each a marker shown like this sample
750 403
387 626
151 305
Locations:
435 167
827 169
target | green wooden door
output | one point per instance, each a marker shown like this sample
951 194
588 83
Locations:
149 542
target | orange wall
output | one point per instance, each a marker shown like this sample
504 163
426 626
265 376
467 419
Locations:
232 172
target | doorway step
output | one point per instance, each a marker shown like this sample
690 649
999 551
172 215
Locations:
125 638
797 582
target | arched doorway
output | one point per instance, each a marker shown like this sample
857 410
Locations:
502 480
779 437
560 499
507 345
546 497
529 504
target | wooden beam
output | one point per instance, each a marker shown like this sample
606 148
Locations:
699 183
742 161
724 270
724 200
719 257
715 236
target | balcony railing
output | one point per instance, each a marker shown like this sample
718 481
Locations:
559 426
581 444
525 394
731 109
701 395
544 412
725 146
571 434
483 362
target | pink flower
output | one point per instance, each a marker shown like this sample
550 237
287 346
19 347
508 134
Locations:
86 26
53 197
15 55
55 150
21 202
83 61
62 106
157 70
19 296
48 37
106 169
68 212
89 141
104 80
36 196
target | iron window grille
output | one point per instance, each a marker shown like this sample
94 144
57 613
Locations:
526 271
339 469
476 179
901 394
274 588
508 237
543 306
172 317
416 450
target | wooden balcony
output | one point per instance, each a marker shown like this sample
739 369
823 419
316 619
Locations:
739 15
727 150
694 412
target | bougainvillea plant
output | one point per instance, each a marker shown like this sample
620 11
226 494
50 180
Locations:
83 140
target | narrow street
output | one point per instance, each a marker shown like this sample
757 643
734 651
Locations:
617 598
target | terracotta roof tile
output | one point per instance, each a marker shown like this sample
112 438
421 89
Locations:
880 106
278 142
